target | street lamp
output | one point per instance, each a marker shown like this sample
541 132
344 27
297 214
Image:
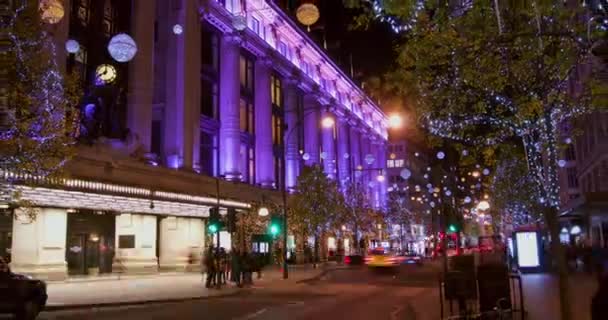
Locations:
263 212
395 121
328 122
483 205
380 178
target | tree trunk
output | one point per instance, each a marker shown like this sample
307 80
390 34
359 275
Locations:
559 256
315 259
356 237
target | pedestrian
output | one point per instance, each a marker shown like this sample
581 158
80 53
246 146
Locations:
209 262
247 265
599 305
235 260
223 263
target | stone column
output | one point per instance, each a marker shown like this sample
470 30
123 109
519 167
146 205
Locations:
181 243
230 130
381 160
292 162
355 148
311 130
141 75
328 155
263 124
39 244
182 84
343 161
141 258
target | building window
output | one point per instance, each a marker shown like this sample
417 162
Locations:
390 163
305 67
247 95
108 18
82 11
208 153
209 74
570 154
572 179
248 162
255 25
399 163
276 93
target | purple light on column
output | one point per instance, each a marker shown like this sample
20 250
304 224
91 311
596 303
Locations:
263 124
343 152
329 151
230 130
311 131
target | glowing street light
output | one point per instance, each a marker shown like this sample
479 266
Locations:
483 205
328 122
263 211
380 178
395 121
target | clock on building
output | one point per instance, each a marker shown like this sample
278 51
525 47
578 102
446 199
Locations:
105 74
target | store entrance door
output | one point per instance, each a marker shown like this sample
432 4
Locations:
90 243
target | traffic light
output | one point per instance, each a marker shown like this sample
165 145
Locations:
214 223
276 223
452 228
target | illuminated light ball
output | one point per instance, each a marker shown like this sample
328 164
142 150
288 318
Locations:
465 152
370 159
178 29
122 47
417 154
568 140
346 156
477 166
306 156
426 176
406 174
432 203
478 186
428 168
328 122
561 163
390 189
429 186
51 11
392 156
308 14
486 171
395 121
358 174
324 155
467 199
72 46
371 184
440 155
448 193
431 190
380 178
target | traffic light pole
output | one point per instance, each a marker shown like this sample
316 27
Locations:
285 233
217 233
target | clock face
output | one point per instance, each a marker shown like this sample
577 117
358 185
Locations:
105 73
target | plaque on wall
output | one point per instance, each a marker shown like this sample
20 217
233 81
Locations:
126 241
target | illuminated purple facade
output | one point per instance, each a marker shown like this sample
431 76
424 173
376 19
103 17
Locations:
217 89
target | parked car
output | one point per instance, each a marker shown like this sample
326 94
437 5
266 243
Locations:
20 295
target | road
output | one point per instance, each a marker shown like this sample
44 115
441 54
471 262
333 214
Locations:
355 293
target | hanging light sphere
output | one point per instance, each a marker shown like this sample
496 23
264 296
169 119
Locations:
467 199
406 174
465 152
239 22
429 186
122 47
417 154
306 156
178 29
346 156
483 205
561 163
308 14
486 171
358 173
263 211
369 159
72 46
323 155
432 203
568 140
371 184
51 11
440 155
448 193
426 176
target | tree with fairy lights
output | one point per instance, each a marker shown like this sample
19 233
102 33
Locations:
39 120
500 72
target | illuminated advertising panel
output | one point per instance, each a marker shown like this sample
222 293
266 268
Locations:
527 249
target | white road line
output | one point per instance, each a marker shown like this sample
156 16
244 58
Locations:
253 315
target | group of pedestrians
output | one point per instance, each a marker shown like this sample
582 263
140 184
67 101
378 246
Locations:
235 266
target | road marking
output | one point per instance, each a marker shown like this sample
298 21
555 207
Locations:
395 313
253 315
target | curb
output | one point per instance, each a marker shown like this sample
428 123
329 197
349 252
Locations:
321 275
137 303
67 307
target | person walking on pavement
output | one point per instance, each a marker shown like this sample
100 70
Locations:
235 261
209 261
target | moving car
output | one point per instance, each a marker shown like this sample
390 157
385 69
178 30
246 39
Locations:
380 258
20 295
411 259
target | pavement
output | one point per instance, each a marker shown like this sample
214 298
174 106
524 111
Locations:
112 290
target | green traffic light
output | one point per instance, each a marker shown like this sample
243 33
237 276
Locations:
452 228
212 228
274 229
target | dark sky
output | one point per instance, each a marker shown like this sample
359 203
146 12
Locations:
371 49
